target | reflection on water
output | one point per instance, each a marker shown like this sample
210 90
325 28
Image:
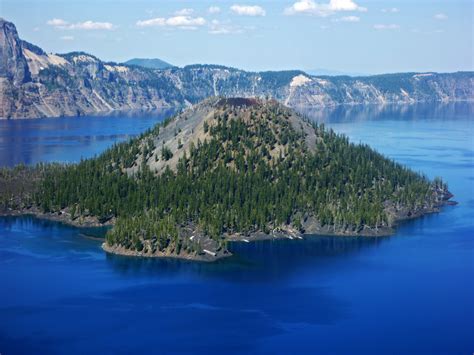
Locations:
419 111
266 261
72 138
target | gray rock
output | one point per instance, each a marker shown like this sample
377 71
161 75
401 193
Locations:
36 84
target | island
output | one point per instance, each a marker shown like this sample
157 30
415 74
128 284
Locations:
226 169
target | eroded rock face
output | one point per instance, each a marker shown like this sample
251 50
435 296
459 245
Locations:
13 65
36 84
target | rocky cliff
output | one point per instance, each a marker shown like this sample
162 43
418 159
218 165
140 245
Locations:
36 84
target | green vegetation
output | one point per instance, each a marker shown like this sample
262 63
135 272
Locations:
279 78
56 77
252 175
166 153
255 172
19 185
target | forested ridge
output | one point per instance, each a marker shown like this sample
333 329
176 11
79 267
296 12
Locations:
254 172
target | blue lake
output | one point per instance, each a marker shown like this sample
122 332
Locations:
410 293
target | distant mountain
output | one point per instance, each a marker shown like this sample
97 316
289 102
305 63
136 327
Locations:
36 84
154 63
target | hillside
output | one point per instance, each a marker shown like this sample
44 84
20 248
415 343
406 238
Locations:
153 63
37 84
228 169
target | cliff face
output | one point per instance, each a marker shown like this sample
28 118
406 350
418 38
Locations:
13 66
36 84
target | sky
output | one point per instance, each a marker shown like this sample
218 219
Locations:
350 36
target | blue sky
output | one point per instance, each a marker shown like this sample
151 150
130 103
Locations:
344 35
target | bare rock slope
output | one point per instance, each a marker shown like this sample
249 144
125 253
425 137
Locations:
38 84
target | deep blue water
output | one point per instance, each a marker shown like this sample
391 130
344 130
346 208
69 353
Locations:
407 294
69 139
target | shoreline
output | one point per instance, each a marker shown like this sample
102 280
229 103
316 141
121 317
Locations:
312 228
287 233
62 217
128 111
119 250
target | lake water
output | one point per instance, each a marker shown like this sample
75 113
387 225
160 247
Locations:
69 139
407 294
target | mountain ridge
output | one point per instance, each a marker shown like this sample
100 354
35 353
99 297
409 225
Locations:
36 84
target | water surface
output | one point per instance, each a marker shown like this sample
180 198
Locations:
411 293
68 139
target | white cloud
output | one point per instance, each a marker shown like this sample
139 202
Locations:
214 9
248 10
184 12
90 25
386 27
345 5
348 19
392 10
303 6
56 22
184 22
218 28
86 25
312 8
67 38
158 21
440 16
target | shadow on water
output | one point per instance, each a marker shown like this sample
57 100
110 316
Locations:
39 238
171 295
261 261
32 222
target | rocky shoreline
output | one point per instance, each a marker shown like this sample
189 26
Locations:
119 250
60 217
310 227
